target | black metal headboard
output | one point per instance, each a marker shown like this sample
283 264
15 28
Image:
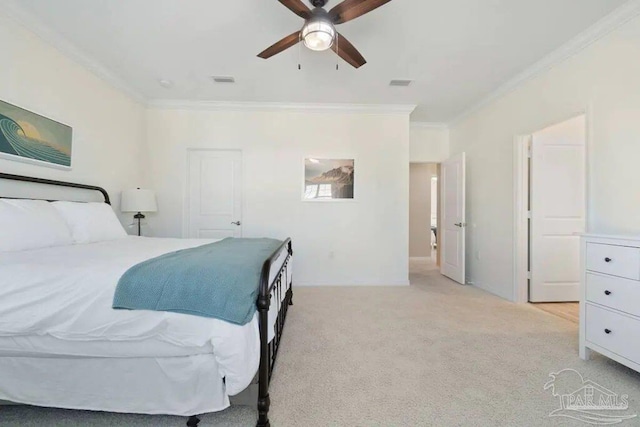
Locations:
56 183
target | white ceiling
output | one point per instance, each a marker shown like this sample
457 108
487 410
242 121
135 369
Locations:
457 51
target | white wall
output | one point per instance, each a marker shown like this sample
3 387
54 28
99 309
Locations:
360 242
604 80
108 127
420 208
428 143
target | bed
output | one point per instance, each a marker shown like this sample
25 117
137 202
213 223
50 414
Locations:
63 345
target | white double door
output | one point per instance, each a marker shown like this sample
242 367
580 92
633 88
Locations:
214 194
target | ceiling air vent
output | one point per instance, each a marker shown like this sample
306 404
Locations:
165 83
223 79
403 83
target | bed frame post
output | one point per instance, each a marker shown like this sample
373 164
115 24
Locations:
269 350
263 387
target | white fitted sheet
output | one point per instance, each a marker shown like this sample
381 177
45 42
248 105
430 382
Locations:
57 302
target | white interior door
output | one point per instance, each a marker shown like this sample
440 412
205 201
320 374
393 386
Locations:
452 235
557 197
214 194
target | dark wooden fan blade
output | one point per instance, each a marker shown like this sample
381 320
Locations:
277 47
297 7
351 9
348 52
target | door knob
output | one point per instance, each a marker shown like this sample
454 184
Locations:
459 224
607 259
236 223
607 331
607 292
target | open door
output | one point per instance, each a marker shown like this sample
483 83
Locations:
452 236
558 204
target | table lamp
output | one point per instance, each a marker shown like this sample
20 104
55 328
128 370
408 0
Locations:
138 200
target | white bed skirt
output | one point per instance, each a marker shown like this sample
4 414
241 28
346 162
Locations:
137 378
185 386
178 385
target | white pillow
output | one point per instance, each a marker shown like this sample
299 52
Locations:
90 222
31 224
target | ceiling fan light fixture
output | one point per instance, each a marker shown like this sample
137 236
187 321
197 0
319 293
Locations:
318 34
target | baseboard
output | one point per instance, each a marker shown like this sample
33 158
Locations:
374 283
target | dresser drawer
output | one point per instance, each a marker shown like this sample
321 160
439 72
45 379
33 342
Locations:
614 331
622 261
615 292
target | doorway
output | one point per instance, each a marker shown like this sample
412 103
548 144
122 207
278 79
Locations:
550 190
424 199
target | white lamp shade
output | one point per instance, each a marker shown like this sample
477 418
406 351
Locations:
138 200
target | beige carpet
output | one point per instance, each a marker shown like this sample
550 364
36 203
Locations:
434 353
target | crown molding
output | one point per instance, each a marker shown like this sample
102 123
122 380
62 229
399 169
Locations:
17 13
600 29
169 104
430 125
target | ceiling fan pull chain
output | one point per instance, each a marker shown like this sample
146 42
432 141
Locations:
337 50
299 50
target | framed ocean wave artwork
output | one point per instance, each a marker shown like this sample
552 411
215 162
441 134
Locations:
29 137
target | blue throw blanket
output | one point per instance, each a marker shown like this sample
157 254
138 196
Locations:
219 280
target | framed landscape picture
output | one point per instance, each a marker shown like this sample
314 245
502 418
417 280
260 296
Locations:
32 138
328 179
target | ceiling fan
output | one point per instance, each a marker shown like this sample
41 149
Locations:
319 32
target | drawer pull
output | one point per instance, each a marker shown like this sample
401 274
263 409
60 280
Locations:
607 292
607 259
607 331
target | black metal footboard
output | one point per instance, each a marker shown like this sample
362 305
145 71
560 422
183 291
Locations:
282 298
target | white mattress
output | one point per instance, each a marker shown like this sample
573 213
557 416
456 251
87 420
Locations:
56 302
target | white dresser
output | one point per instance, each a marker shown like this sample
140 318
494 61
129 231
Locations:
610 298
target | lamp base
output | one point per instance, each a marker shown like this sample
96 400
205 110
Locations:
139 216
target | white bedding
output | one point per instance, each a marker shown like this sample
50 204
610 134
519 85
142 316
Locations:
57 301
